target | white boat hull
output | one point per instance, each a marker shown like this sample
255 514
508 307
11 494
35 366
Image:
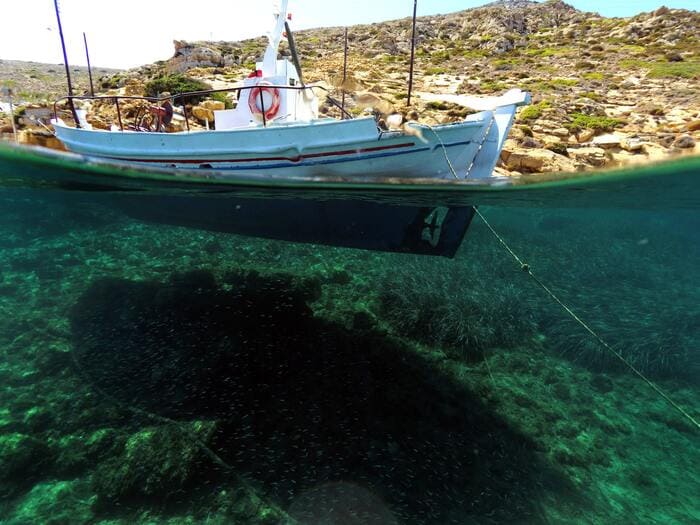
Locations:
346 149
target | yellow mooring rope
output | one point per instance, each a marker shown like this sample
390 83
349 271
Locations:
526 268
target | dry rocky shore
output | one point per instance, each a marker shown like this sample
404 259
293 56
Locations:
607 92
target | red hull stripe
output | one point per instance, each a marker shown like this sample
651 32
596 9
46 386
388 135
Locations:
265 159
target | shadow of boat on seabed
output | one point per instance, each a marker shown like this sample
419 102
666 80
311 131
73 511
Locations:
320 414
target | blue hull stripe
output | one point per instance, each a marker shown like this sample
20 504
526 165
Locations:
325 161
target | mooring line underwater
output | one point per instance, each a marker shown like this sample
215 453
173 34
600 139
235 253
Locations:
526 268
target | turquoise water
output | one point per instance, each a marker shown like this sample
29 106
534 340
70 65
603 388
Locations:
159 374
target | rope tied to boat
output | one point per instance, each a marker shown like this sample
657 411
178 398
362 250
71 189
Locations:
526 268
481 145
444 150
447 158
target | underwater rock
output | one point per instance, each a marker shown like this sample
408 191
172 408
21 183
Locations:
602 383
154 464
55 502
38 419
77 452
21 457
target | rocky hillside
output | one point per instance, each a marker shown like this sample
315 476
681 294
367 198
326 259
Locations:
606 91
37 82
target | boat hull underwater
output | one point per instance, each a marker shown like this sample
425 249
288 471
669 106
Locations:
216 204
419 216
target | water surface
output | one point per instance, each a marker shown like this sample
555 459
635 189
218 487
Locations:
158 374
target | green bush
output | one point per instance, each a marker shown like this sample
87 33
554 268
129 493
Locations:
665 69
491 86
562 82
675 70
223 97
533 112
437 105
530 113
175 84
592 95
440 56
581 121
434 71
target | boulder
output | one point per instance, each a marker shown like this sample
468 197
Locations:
592 156
655 151
213 105
205 110
203 114
693 125
536 161
39 138
609 140
134 88
684 142
188 56
585 135
529 142
631 144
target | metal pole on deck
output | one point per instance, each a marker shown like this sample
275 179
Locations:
65 61
413 49
8 93
87 55
345 73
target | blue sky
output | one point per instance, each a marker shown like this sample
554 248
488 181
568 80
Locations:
133 32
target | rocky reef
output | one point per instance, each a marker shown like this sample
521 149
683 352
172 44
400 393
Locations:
162 375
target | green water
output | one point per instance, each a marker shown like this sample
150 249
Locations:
157 374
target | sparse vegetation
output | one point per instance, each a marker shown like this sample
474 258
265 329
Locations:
685 69
580 121
594 76
534 111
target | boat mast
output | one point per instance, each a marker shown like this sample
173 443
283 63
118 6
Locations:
345 72
413 49
8 93
270 59
87 55
293 51
65 61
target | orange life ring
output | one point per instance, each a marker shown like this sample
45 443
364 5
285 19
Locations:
255 96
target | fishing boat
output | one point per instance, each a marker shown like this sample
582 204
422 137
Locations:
272 167
275 131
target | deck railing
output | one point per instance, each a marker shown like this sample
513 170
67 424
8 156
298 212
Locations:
183 97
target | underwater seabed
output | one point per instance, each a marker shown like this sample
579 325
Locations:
154 374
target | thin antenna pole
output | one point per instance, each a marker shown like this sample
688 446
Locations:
7 91
87 55
65 61
413 50
345 72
